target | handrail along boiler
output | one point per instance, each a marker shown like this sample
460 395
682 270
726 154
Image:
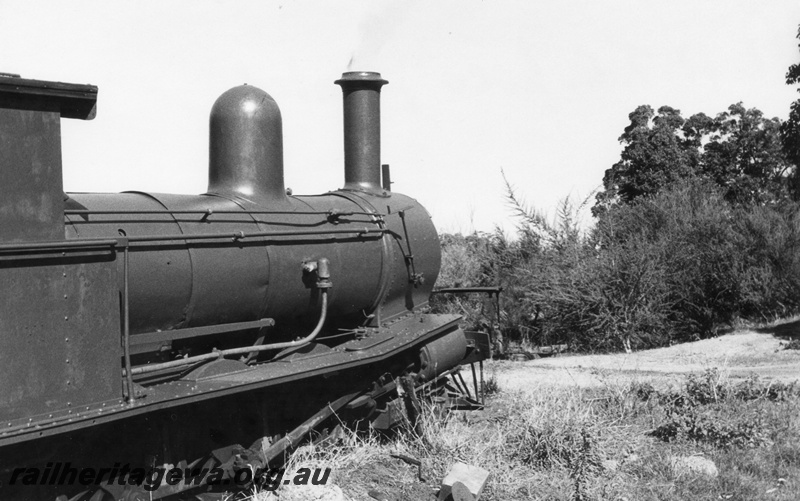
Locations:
119 308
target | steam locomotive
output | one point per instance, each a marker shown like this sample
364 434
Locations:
170 329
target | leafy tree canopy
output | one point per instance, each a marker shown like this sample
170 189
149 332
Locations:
654 156
739 150
790 130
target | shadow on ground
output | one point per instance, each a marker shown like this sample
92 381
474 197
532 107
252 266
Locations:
788 331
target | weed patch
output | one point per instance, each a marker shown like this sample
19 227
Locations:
712 411
589 444
794 344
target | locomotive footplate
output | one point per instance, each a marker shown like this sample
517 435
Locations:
179 422
227 377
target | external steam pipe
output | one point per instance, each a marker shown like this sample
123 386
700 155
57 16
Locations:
288 344
362 130
217 354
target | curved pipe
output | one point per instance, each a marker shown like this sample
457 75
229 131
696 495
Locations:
217 354
288 344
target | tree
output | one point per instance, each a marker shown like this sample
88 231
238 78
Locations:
739 150
655 155
790 129
743 154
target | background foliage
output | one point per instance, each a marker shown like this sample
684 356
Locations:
696 226
671 267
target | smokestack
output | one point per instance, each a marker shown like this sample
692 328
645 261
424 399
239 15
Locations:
246 146
362 130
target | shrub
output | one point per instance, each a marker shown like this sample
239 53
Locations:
668 268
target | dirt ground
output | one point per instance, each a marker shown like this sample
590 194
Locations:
736 355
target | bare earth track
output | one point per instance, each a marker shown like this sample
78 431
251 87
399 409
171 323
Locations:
736 355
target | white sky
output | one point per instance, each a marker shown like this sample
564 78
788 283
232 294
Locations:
540 89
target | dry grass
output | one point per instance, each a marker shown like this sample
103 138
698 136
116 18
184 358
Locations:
598 428
596 443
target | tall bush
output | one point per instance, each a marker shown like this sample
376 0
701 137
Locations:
666 268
